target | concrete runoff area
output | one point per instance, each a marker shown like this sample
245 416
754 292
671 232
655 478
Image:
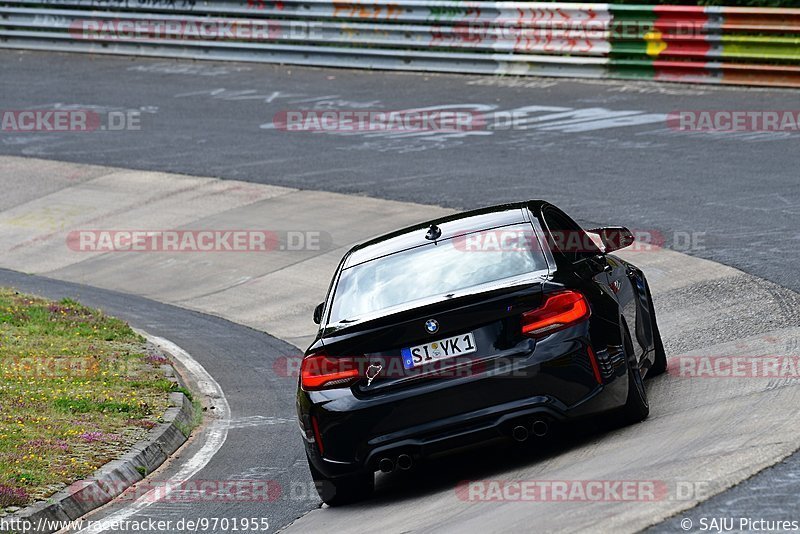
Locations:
274 291
708 433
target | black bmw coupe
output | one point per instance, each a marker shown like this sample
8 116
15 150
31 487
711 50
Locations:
495 322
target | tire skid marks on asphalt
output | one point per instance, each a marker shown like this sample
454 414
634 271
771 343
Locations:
259 420
492 117
532 117
705 312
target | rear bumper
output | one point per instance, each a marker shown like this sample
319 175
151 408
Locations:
555 382
470 429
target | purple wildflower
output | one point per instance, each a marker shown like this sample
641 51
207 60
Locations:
10 496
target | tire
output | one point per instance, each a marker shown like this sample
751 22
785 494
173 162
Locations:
660 361
636 407
342 490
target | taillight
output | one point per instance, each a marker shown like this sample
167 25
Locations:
559 310
320 371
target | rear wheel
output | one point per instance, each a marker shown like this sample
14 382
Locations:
660 359
342 490
636 406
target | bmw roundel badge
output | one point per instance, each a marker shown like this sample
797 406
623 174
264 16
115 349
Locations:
431 326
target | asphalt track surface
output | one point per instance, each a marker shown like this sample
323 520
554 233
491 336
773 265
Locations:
738 194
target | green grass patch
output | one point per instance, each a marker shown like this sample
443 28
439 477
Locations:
77 390
86 406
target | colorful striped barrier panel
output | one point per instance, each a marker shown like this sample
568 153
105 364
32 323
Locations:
727 45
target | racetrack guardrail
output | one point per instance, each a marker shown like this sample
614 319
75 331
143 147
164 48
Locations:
726 45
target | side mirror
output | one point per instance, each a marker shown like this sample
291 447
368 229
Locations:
318 312
614 237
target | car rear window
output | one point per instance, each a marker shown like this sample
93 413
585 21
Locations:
434 269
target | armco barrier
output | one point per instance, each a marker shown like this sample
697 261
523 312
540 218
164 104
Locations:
756 46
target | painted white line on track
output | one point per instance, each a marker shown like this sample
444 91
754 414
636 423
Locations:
217 433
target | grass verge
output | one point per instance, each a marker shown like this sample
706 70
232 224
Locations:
77 390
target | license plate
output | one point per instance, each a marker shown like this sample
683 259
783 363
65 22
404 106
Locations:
438 350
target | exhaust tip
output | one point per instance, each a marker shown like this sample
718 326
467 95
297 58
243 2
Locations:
386 465
404 461
540 428
519 433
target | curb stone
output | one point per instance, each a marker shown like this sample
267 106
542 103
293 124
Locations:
113 478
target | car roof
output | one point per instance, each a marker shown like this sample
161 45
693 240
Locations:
451 226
